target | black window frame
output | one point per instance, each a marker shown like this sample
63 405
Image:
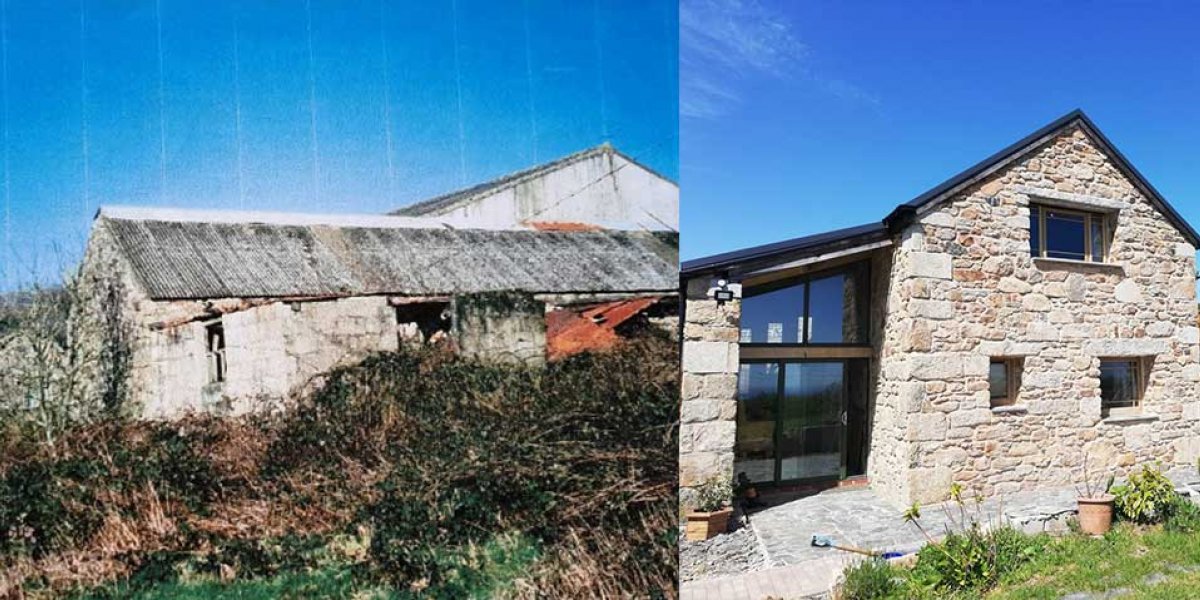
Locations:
1037 232
860 269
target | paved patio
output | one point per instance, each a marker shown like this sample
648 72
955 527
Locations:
859 518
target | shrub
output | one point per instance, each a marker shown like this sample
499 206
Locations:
713 494
45 506
974 559
1184 517
1146 498
873 579
973 554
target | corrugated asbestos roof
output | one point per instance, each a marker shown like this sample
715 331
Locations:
194 259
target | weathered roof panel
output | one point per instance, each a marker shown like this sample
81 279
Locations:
193 259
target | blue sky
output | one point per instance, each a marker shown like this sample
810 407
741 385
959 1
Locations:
231 121
800 117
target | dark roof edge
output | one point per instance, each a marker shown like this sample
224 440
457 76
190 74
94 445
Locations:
810 244
902 214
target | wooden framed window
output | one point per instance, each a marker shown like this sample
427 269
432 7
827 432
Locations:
214 335
1067 234
1004 380
1122 381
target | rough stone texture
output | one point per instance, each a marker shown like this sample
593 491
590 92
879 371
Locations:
501 327
958 287
708 411
1062 318
271 350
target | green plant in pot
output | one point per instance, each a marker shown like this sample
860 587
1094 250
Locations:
1095 503
710 515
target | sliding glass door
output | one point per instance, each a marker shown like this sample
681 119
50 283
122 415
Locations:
793 416
810 428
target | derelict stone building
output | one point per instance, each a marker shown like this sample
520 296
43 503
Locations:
231 308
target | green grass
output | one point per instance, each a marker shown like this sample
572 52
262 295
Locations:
478 572
332 582
1127 558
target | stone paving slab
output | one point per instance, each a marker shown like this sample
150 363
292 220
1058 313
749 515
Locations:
812 579
858 517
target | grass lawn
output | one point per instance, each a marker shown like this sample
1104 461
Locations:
1129 562
1149 562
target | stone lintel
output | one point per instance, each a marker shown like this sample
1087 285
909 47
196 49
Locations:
1131 347
1069 200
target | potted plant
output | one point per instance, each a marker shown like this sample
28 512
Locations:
1095 504
710 516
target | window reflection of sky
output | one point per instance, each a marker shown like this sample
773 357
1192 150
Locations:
784 306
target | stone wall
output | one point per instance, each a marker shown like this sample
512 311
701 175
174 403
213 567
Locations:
501 326
964 288
708 411
271 350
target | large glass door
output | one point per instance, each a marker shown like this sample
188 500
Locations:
792 420
810 428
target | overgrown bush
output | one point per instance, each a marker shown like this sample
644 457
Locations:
872 579
453 477
1148 497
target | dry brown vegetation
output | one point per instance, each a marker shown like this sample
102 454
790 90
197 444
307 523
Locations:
395 467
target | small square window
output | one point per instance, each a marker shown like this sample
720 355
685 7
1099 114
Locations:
214 334
1121 385
1004 381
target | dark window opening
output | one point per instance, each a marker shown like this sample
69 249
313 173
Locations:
214 334
1121 384
422 323
1004 381
1067 234
826 308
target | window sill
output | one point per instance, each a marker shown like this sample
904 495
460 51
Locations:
1052 263
1128 419
1011 409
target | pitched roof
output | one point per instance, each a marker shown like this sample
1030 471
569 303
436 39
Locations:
1031 142
902 214
194 257
440 204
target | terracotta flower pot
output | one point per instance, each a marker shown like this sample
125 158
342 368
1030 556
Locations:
704 525
1095 514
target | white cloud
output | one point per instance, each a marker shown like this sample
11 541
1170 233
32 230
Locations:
724 41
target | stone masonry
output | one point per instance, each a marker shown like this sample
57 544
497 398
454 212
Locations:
708 412
964 288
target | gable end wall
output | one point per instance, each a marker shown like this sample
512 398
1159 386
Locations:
964 288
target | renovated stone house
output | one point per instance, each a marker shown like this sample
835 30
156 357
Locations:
1035 310
227 309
